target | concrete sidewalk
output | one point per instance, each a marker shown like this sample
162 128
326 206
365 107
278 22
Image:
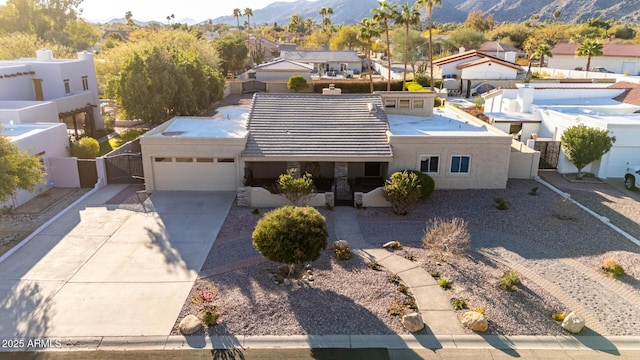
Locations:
104 271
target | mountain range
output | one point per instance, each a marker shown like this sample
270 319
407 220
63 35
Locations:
352 11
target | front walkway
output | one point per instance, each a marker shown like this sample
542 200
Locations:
437 313
101 270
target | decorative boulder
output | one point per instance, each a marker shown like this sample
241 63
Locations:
340 245
475 321
573 323
413 322
190 325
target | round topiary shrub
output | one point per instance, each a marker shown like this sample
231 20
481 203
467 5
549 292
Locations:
291 235
85 148
427 185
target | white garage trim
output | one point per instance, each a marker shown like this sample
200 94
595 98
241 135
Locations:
195 174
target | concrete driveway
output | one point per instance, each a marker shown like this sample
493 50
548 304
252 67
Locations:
101 270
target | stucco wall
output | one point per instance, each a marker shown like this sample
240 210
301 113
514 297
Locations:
523 162
489 71
375 198
258 197
63 172
14 86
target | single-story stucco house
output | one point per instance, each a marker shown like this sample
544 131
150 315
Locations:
350 143
619 58
279 69
327 63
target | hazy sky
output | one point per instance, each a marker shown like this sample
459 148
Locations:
145 10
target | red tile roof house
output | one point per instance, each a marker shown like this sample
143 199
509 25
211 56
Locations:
464 71
350 143
619 58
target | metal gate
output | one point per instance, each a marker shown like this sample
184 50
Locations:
549 153
87 173
252 86
342 191
125 168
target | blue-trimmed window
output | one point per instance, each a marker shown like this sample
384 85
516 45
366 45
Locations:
460 164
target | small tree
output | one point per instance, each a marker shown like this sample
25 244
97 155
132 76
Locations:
18 169
298 190
583 145
297 83
85 148
291 235
402 190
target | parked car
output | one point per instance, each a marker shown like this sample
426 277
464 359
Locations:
601 69
632 177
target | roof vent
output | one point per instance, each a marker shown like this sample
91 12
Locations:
372 108
332 90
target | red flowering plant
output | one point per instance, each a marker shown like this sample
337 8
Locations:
204 297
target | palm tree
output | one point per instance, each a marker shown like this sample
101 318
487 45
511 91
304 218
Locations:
369 30
382 15
407 16
539 53
326 14
589 48
429 4
236 14
248 13
168 19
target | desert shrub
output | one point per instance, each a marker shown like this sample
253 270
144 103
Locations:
402 288
343 254
411 303
559 316
435 274
612 267
447 238
204 298
415 87
479 309
85 148
291 235
563 209
458 304
407 188
373 265
444 283
500 203
533 191
509 280
409 256
298 190
394 279
210 318
437 102
396 308
255 211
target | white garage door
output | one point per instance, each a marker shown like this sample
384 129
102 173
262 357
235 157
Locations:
618 159
198 174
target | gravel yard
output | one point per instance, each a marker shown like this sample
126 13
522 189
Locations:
558 260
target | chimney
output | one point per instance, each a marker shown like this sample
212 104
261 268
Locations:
510 56
525 98
44 55
462 49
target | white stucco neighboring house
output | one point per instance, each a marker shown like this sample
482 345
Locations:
49 142
619 58
46 89
538 114
279 69
327 63
350 143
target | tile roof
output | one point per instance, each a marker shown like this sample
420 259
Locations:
284 65
314 126
320 56
472 54
630 50
631 95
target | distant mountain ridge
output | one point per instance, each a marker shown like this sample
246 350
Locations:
352 11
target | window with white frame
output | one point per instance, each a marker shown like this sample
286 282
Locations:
67 86
460 164
429 164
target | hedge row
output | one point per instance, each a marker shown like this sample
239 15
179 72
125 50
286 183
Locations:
356 86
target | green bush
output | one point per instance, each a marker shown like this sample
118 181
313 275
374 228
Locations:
373 265
437 102
127 135
407 188
424 80
298 190
612 267
297 83
509 280
355 86
444 283
458 304
85 148
500 203
415 87
291 235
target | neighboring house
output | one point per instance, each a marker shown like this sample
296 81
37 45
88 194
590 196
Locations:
350 143
619 58
464 71
269 49
46 89
327 63
500 50
540 113
279 69
50 143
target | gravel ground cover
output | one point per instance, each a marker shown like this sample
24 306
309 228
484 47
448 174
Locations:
560 258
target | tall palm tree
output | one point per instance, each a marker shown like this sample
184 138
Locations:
539 53
248 13
589 48
326 16
407 16
429 4
236 14
381 15
368 30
